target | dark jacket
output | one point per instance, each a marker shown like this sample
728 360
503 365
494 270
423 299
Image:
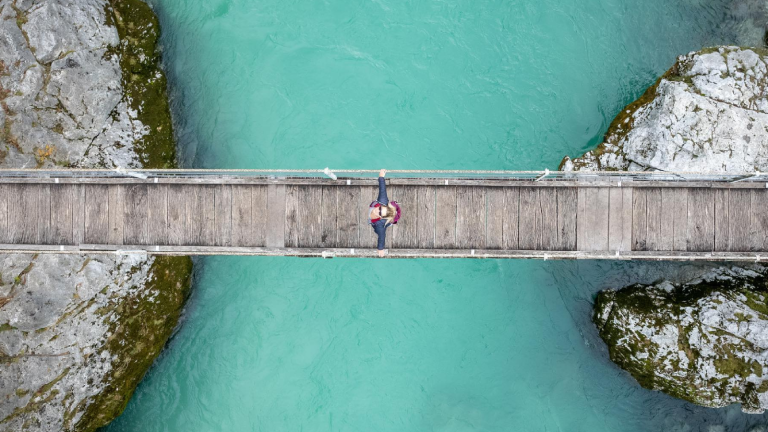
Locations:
380 226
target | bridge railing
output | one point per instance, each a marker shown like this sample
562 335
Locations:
546 175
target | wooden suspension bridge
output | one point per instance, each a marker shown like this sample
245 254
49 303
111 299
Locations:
611 215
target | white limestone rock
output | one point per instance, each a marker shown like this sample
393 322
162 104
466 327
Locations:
60 87
705 341
70 353
709 113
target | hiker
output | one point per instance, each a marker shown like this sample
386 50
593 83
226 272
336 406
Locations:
382 213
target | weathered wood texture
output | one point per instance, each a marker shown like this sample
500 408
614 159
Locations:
435 216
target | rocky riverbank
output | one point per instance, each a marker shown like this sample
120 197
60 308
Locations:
704 340
81 86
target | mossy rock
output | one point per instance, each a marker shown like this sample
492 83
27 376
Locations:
144 83
658 333
147 325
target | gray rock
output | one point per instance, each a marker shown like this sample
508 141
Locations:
70 351
56 28
709 113
62 87
704 340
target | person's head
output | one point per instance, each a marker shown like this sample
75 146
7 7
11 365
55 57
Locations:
388 212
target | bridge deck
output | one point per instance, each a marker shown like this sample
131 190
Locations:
456 217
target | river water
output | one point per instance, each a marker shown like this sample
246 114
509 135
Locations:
289 344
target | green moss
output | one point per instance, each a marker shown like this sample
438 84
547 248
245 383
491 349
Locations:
659 308
6 327
148 325
144 83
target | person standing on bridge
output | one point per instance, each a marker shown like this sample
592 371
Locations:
382 213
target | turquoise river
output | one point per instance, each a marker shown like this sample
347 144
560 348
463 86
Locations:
291 344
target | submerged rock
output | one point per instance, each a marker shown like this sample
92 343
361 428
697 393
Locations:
80 86
704 341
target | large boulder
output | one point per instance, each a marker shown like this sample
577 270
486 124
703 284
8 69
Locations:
708 113
703 341
80 86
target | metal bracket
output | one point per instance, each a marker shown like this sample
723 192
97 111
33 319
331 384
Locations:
757 174
546 173
131 173
327 171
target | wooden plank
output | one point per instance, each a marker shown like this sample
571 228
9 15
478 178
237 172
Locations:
477 227
626 196
177 215
194 223
667 236
4 212
222 197
639 220
494 231
512 218
348 216
653 218
136 214
759 220
616 219
208 215
62 199
425 216
599 226
464 215
739 209
78 214
445 224
116 214
567 207
242 208
593 213
701 220
329 227
680 219
43 214
549 219
470 219
310 215
18 208
530 219
722 228
405 232
96 214
157 215
260 214
275 236
581 217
